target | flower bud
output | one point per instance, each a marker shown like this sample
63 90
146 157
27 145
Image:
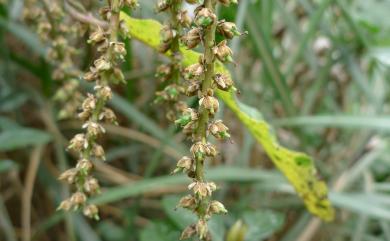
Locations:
84 165
118 49
184 164
193 88
189 115
93 128
189 231
228 29
78 142
102 64
89 104
219 130
163 72
117 76
216 207
108 115
205 17
202 229
223 81
184 19
162 5
103 92
91 185
223 52
167 34
201 189
84 115
98 152
65 205
209 103
192 38
90 75
198 150
188 202
193 71
97 36
78 198
211 150
69 176
91 211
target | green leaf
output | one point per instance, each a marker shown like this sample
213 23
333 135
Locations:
296 166
20 138
262 224
160 231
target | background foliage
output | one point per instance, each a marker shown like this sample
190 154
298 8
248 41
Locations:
318 70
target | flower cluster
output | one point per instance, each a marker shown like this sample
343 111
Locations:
170 74
198 124
55 29
104 72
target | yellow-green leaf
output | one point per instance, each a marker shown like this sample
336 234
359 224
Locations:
296 166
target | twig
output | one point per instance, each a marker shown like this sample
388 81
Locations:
28 191
84 18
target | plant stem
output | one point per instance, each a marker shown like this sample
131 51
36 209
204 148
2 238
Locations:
201 134
175 46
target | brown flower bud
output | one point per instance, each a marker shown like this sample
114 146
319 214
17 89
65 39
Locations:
223 81
78 142
202 229
205 17
102 64
201 189
167 34
103 92
84 165
164 72
209 103
89 104
228 29
91 185
91 211
219 130
184 19
188 202
192 38
211 150
162 5
193 71
90 75
189 128
93 128
198 150
69 176
84 115
119 49
65 205
216 207
117 76
98 152
97 36
108 115
223 52
78 198
193 88
184 164
189 231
